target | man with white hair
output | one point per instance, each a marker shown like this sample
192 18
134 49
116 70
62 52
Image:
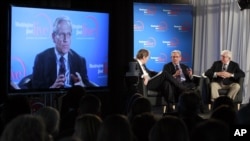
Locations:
224 75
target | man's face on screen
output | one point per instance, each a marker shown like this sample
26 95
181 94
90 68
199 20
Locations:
62 38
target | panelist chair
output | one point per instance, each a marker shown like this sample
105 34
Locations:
156 98
223 92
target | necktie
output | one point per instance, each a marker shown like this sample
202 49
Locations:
62 68
224 67
178 78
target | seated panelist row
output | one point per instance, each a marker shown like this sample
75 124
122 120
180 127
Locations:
177 77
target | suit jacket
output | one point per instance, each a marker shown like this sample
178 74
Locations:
233 67
139 69
170 68
45 71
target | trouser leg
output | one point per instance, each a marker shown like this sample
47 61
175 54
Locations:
233 90
215 86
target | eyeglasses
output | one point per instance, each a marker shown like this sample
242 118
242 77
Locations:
63 35
175 56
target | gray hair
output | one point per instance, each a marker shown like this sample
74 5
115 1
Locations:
59 20
227 52
176 51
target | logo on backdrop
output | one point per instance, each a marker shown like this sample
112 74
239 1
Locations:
162 26
138 26
185 57
151 42
162 58
185 27
19 71
173 11
171 43
151 10
88 29
40 28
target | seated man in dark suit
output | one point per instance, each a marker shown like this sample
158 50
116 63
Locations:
60 66
156 81
224 74
180 72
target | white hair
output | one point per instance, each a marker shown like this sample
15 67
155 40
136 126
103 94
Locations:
227 53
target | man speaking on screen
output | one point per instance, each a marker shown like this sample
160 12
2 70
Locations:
60 66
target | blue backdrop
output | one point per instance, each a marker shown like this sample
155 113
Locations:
162 28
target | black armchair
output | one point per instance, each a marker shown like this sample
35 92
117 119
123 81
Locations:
238 97
155 97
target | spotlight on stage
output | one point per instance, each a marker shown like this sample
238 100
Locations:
244 4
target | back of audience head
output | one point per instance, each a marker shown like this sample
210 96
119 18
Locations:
169 128
14 106
189 103
51 117
115 128
71 100
142 124
25 128
70 107
131 101
211 130
87 126
139 106
226 114
90 104
243 115
222 100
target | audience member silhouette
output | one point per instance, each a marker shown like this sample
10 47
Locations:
87 126
90 104
169 128
26 128
142 124
51 117
226 114
69 110
188 109
211 130
222 100
243 115
14 106
131 101
115 127
140 105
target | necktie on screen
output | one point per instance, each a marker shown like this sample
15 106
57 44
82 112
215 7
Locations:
178 78
62 68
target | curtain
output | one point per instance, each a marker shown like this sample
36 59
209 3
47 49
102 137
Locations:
220 25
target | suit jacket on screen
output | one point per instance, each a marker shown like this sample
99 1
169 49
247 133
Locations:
45 71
